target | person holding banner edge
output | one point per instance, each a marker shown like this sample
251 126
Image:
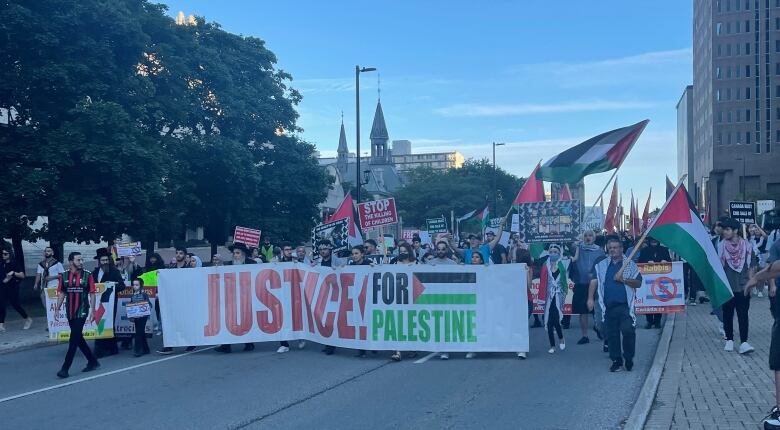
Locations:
240 256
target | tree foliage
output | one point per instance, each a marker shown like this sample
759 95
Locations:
123 122
431 193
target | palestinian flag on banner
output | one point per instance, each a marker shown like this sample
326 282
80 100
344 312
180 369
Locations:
679 228
444 288
598 154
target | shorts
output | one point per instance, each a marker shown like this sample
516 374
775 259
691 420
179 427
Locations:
579 302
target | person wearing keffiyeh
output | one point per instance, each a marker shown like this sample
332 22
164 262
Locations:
554 281
739 263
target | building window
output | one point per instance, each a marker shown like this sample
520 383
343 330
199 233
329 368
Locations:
777 23
747 93
728 50
777 45
720 138
739 118
720 116
728 119
777 135
718 28
747 48
758 148
747 115
747 138
747 71
777 68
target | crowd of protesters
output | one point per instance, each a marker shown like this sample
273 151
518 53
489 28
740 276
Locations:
604 280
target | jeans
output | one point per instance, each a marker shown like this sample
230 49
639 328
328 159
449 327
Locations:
653 319
77 341
618 322
553 323
10 294
140 344
741 304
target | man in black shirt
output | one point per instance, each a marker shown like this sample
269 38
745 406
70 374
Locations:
107 272
11 275
498 254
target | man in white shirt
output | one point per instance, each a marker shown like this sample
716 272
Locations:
47 273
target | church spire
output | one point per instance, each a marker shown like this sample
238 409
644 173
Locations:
343 151
379 137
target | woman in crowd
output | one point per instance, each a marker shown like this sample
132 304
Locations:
554 281
405 256
195 261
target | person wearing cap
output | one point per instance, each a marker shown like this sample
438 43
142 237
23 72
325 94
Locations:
498 254
476 245
106 272
739 262
240 254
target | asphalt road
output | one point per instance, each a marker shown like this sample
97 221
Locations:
304 389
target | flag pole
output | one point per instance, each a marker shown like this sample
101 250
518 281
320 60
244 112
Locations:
650 227
601 195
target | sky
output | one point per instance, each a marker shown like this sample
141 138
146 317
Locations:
458 75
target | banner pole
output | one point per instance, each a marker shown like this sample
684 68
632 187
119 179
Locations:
601 195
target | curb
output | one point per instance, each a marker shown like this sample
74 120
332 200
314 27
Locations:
24 346
643 404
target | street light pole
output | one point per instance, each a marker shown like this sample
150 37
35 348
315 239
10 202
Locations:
495 186
358 180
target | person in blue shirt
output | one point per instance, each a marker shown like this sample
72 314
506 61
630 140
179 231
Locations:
617 278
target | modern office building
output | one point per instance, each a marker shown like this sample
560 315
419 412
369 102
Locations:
736 101
685 156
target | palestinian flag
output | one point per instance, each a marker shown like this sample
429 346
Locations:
598 154
532 190
347 210
679 228
444 288
484 217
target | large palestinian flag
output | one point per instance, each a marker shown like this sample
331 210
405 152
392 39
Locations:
678 227
598 154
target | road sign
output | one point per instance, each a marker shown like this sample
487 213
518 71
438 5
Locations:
743 212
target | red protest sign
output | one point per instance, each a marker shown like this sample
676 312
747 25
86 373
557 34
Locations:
377 213
248 236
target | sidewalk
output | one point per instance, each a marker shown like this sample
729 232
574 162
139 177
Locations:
14 338
704 387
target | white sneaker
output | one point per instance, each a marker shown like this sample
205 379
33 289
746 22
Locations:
27 324
283 349
551 350
2 327
746 348
729 346
471 355
301 344
445 356
562 346
721 330
522 355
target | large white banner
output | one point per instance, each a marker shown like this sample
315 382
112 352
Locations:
387 307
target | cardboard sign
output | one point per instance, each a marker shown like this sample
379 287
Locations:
593 218
764 205
335 231
743 212
436 225
138 309
377 213
388 241
557 221
495 222
247 236
128 249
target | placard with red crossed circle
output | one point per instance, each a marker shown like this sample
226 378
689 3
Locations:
663 289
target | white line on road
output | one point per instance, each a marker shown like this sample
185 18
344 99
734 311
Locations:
90 378
426 358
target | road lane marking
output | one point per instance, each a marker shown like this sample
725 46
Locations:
90 378
426 358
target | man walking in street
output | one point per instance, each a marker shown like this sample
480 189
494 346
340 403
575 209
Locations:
47 273
77 291
585 255
616 278
240 256
106 272
11 275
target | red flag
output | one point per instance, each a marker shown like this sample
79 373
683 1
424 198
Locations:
634 216
564 193
646 213
532 191
610 220
347 210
